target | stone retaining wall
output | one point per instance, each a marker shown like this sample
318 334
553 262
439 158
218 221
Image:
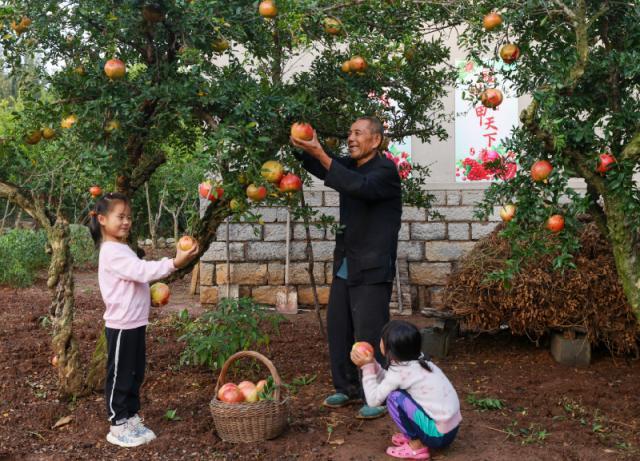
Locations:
427 251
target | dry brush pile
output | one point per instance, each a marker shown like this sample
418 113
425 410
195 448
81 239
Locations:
539 300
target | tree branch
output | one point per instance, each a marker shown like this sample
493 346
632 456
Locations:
632 150
145 168
32 207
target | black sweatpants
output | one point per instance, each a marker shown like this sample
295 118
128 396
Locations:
125 372
355 313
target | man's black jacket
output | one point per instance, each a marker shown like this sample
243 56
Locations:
370 212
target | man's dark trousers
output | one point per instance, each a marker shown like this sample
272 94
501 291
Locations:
355 313
367 242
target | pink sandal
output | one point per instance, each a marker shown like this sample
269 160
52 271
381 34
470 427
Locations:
399 439
406 452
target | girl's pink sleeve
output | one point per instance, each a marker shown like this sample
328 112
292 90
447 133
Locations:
376 390
129 267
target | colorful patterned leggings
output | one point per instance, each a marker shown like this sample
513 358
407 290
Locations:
415 423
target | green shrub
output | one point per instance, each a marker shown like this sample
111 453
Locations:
83 249
22 253
237 324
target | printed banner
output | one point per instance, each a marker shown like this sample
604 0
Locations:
480 155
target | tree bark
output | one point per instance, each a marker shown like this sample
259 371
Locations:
626 251
60 283
96 372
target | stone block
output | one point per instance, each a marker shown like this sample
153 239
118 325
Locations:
424 296
413 214
266 251
243 274
298 251
479 230
404 233
206 274
299 232
323 251
331 198
456 213
436 340
217 252
410 250
264 294
305 295
428 231
495 216
332 211
313 198
328 272
454 198
440 197
330 233
571 352
208 295
275 232
436 297
458 231
425 273
244 291
268 214
239 232
472 197
298 273
233 291
446 251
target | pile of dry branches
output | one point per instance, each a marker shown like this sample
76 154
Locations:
587 299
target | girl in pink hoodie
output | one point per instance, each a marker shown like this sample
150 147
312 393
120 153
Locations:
124 283
420 399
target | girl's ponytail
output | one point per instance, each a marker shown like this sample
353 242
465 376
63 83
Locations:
94 228
424 361
102 207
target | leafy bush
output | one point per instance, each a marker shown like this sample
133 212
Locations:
82 247
237 324
22 252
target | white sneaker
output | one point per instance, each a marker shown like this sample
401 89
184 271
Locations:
125 435
140 429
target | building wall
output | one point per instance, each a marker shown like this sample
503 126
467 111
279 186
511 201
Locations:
427 251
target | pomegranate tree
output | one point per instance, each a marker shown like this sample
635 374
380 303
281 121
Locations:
581 115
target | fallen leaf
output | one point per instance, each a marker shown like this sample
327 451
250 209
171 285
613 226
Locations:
336 442
63 421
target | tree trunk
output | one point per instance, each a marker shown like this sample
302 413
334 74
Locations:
16 223
625 251
97 371
7 212
152 227
60 283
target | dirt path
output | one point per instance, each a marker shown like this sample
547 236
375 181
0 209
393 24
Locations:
550 412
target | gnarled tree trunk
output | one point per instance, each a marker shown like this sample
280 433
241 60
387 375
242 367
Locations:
60 283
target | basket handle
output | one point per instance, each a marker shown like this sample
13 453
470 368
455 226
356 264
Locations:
258 356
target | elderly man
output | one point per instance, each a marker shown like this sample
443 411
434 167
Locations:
365 252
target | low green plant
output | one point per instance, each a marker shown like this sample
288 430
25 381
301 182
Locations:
22 252
236 325
483 404
171 415
82 247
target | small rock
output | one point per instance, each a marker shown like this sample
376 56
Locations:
141 243
170 241
148 242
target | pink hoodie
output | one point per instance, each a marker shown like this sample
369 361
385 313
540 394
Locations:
124 283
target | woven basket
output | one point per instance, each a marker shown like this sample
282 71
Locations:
250 422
